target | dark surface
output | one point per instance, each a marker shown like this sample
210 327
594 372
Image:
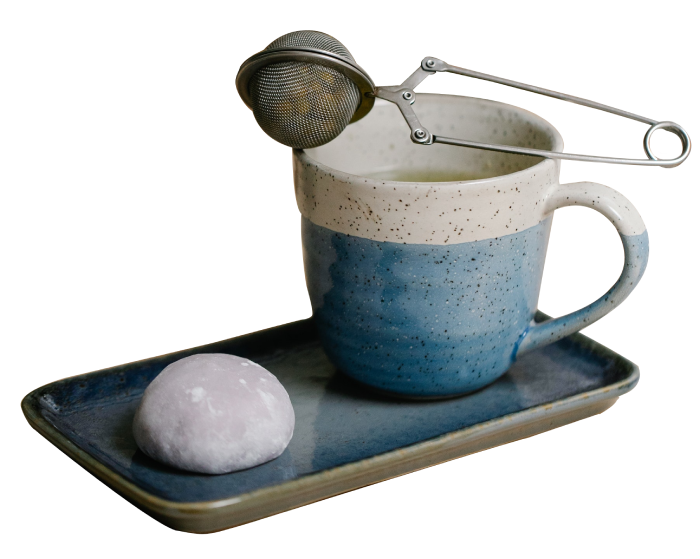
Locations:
337 420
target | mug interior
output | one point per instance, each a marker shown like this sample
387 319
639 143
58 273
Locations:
379 146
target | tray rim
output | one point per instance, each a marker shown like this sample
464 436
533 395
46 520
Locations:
206 516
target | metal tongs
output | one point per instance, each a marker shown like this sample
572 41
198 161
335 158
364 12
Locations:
403 96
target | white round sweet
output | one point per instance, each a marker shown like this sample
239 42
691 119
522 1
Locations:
214 413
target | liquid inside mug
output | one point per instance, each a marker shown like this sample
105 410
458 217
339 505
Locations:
424 264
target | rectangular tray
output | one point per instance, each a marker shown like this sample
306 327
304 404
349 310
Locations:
345 436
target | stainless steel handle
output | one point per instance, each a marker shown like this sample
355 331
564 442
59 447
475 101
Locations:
404 96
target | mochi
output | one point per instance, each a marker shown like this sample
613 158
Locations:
214 413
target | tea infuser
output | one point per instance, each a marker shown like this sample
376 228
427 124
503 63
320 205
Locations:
305 87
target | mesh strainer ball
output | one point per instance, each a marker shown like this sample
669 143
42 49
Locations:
305 88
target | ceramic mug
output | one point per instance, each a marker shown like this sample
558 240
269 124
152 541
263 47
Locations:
424 263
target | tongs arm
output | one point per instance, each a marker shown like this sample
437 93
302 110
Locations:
404 96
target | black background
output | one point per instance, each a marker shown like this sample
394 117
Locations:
188 234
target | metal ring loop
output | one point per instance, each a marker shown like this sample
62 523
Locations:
677 129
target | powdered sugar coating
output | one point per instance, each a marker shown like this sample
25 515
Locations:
214 413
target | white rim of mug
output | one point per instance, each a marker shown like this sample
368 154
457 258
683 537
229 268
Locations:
557 145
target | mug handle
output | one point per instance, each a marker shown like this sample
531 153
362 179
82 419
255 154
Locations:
623 215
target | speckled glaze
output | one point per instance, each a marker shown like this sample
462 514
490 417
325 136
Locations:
428 289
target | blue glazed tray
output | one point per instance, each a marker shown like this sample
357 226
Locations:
345 436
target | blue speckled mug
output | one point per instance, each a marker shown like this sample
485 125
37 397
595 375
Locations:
424 264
